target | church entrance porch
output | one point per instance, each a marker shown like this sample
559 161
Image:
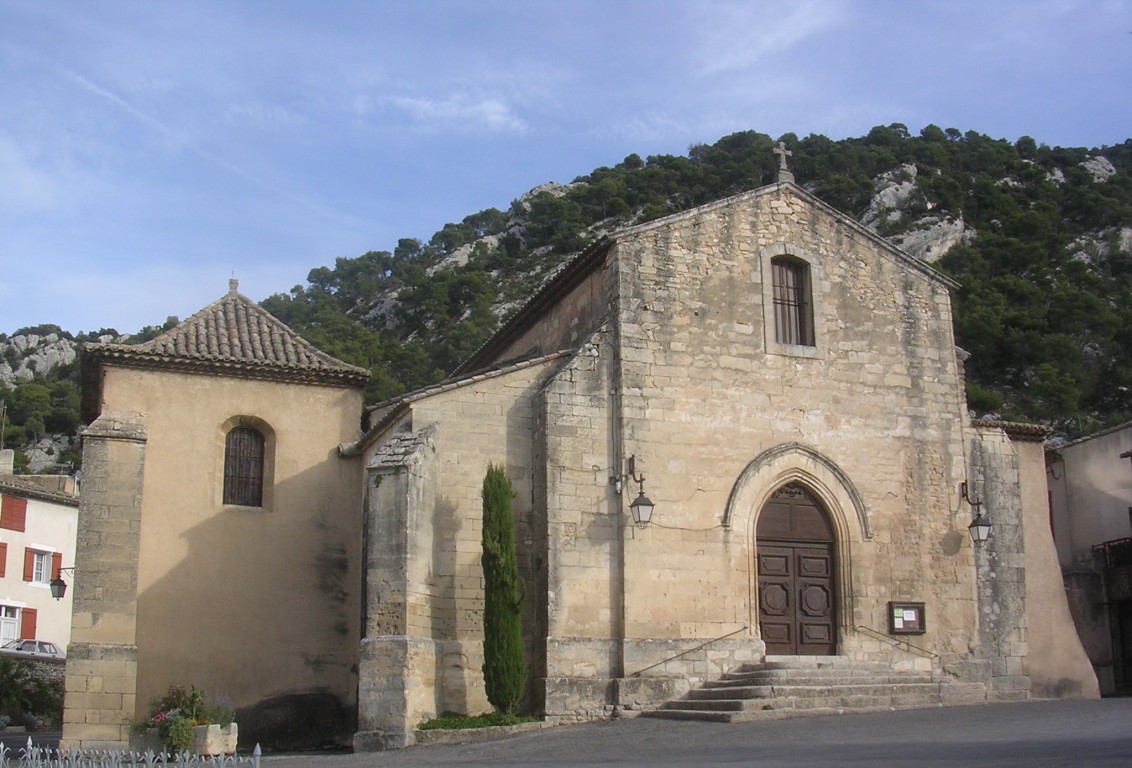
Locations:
796 589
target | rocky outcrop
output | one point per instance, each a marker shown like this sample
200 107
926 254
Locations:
459 257
931 237
1100 167
890 214
895 191
21 357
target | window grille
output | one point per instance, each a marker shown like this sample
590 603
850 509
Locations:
243 467
793 313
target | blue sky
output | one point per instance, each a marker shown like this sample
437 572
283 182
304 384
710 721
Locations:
151 150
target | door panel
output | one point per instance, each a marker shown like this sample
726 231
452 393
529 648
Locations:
777 618
797 598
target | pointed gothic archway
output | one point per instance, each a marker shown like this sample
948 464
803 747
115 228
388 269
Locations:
797 590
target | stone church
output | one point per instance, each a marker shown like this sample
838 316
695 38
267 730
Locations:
780 383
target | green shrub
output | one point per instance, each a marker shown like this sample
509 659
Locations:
177 734
26 696
504 669
453 721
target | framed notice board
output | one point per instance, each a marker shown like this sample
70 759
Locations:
906 619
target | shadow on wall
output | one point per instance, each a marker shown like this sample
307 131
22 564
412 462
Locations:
262 611
295 721
451 662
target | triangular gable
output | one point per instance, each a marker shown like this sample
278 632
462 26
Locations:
386 413
592 258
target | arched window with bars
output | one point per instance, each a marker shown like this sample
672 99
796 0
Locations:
244 456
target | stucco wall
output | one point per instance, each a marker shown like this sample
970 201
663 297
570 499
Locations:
271 591
50 527
1059 667
1091 494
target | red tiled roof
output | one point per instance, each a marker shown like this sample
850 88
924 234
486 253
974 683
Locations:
232 336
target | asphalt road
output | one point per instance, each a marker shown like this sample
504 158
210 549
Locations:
15 741
1081 734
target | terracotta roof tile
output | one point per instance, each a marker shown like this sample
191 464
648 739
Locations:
13 485
234 335
1035 433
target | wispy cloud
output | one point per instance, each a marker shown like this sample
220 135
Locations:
462 113
183 142
739 35
260 115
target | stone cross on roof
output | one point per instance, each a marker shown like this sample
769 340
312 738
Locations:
784 173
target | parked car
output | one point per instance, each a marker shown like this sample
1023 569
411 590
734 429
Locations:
38 648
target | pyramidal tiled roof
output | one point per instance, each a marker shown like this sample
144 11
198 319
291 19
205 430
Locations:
237 337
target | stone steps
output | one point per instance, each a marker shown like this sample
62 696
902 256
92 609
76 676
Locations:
783 687
806 691
755 680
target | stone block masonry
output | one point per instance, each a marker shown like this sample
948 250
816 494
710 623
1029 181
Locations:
101 677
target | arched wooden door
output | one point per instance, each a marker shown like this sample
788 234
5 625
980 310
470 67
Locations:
797 595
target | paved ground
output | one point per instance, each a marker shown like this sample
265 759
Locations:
1082 734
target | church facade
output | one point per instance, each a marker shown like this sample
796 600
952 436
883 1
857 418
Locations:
781 383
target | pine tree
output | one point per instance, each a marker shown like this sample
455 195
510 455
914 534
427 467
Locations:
504 669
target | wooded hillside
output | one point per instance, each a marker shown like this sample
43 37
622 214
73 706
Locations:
1040 239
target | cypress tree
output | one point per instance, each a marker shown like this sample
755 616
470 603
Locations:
504 670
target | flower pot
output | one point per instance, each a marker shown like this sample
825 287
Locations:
212 740
148 741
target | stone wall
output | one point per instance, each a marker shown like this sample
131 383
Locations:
707 389
566 324
685 375
422 652
101 678
585 525
689 379
1001 567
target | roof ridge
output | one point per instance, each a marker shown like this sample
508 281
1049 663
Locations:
233 333
16 485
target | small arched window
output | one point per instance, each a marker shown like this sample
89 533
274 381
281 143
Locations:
243 467
793 302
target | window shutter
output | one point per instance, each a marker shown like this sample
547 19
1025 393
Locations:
3 558
29 564
27 623
13 513
56 564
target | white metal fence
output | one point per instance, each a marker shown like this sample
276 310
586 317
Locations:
32 756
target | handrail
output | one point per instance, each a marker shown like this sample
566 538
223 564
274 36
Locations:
690 650
898 641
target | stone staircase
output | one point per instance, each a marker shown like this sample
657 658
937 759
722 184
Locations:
784 686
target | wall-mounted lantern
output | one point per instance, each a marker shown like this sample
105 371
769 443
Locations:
980 527
58 586
642 506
